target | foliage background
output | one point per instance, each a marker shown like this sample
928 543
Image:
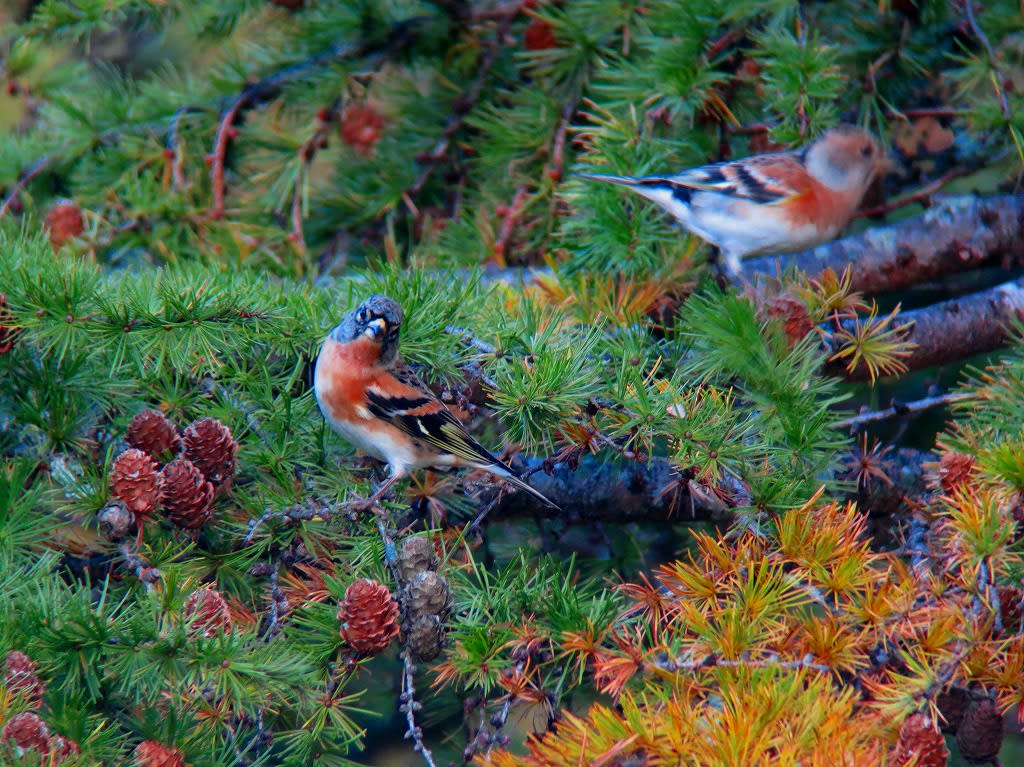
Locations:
245 172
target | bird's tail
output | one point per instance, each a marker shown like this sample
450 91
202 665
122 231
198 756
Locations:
619 180
522 485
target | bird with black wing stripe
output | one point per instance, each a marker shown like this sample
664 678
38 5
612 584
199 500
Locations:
769 203
375 401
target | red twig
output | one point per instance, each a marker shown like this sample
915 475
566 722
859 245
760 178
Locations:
921 195
911 114
508 225
557 165
225 132
27 175
462 106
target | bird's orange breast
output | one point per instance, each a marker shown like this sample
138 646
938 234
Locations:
343 372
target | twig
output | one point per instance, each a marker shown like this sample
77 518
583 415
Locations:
921 195
26 176
225 132
508 226
409 706
143 570
902 410
462 106
313 509
474 369
278 602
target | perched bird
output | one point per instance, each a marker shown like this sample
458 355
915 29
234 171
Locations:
770 203
375 401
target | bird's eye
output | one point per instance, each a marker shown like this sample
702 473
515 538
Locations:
362 316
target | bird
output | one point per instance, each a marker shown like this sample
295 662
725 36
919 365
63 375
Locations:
373 399
769 203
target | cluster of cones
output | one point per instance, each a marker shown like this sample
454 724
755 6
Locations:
370 615
977 723
28 731
181 475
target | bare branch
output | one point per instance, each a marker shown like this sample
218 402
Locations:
952 330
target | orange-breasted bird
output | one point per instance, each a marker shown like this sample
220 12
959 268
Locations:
769 203
375 401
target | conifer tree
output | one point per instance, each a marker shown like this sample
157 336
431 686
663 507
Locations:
769 549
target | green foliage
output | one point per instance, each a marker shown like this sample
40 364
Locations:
247 174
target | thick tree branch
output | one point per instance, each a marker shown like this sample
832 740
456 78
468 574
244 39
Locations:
957 234
952 330
605 491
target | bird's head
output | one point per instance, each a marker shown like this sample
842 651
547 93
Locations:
847 158
376 321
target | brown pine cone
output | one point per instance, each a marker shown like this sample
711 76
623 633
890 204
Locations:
950 471
27 731
154 433
61 748
187 497
428 594
134 479
1009 608
64 220
210 446
369 617
8 331
920 743
424 638
416 555
980 734
152 753
207 613
20 678
952 704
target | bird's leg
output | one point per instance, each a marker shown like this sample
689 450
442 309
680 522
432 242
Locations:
719 268
383 489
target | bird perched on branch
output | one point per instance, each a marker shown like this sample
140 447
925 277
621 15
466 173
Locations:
769 203
375 401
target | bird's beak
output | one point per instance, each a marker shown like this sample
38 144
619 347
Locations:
377 328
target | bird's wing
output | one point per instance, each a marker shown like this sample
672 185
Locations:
764 179
400 397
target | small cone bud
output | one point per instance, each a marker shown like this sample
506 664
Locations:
951 471
64 221
152 753
134 479
26 730
415 556
211 447
368 616
152 432
980 735
920 744
361 128
20 678
424 638
61 748
428 594
116 522
207 613
187 496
